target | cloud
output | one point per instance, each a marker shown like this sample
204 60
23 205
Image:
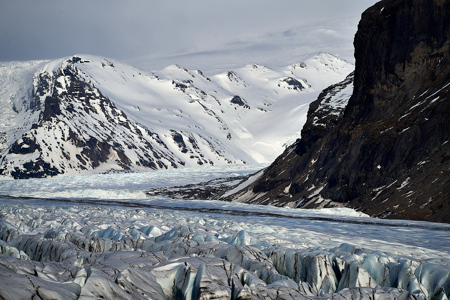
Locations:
125 30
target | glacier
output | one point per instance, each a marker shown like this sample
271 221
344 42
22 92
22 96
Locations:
57 245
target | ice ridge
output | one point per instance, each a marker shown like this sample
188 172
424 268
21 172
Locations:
79 251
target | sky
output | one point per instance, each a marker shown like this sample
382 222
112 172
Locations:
142 32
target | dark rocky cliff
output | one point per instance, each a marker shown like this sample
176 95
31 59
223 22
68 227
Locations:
388 153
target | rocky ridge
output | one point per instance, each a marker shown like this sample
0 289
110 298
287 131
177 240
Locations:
387 153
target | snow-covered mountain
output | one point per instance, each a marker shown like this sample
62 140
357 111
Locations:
86 114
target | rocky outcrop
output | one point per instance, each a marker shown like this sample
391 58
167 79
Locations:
387 154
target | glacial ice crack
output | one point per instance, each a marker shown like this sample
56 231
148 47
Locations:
70 251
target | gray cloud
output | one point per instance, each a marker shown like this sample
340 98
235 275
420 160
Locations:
125 30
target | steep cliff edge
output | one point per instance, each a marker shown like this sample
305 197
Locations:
387 153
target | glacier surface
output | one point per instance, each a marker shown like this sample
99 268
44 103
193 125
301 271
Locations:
57 245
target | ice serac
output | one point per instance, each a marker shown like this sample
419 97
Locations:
313 268
193 257
387 152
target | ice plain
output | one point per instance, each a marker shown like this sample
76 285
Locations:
100 236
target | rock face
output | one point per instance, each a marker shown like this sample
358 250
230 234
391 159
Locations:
387 153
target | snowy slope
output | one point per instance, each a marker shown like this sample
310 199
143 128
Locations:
323 115
85 113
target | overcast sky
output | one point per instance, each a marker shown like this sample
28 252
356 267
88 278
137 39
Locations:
128 30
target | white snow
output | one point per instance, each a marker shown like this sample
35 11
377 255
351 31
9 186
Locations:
404 183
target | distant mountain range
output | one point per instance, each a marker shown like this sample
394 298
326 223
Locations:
87 114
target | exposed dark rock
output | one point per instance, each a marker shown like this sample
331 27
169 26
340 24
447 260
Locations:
387 154
239 101
323 115
51 108
75 59
42 87
181 86
178 138
96 151
25 145
232 76
209 190
35 169
30 169
294 84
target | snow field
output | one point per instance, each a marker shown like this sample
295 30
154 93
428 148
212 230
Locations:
246 115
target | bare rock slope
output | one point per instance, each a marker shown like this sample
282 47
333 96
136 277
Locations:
387 152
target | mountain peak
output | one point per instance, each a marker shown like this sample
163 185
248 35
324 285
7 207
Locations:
84 114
